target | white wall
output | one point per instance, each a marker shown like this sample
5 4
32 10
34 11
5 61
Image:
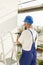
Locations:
8 22
8 15
7 6
8 25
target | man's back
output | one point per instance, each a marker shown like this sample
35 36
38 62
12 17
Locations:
26 38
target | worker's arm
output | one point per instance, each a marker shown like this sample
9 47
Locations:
20 38
17 40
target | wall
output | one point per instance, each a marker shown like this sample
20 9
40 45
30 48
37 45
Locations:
8 15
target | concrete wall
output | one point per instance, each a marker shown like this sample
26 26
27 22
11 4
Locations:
8 15
8 22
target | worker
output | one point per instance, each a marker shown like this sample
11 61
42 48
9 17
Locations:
28 39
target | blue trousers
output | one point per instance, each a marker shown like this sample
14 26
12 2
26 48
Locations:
27 58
